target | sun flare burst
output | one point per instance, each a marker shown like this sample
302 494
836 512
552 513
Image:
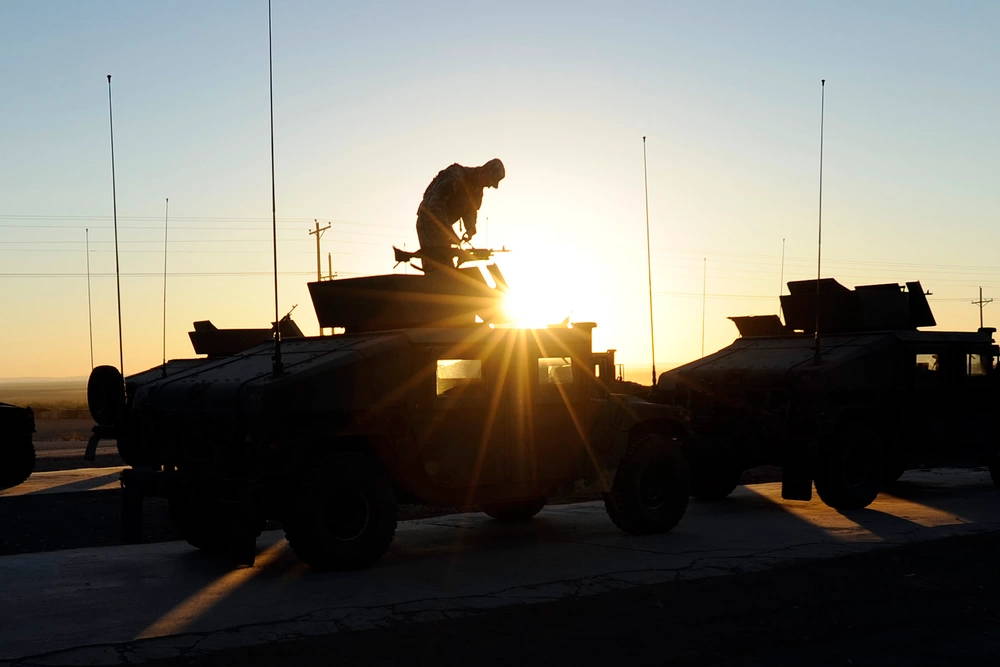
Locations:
532 309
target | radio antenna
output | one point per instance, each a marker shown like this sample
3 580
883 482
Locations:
166 219
114 204
781 274
90 311
276 367
819 238
704 285
649 262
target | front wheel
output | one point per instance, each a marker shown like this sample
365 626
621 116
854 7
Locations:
851 466
342 515
650 490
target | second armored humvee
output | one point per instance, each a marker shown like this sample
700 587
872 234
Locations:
849 409
425 395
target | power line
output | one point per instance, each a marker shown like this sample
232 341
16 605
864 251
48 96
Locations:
77 219
149 274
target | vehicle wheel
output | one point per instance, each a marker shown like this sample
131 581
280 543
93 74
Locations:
207 525
197 523
892 472
650 490
851 466
343 515
995 470
106 395
17 460
714 483
520 510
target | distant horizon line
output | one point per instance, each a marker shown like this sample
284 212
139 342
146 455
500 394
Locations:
43 378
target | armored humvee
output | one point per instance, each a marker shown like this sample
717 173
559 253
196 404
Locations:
426 395
848 409
17 453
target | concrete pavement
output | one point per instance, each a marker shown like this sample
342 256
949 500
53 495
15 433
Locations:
109 605
67 481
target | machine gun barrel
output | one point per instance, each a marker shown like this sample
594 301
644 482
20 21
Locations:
461 254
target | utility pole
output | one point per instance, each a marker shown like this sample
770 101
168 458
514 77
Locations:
318 232
982 302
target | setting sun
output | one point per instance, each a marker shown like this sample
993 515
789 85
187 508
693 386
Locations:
527 309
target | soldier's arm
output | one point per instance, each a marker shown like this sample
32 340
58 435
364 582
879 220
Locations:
469 220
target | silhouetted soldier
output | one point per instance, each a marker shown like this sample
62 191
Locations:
456 193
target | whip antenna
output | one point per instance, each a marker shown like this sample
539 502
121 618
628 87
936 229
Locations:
819 238
166 219
90 312
704 285
649 262
781 274
114 204
276 367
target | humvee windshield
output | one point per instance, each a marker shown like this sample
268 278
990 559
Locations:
457 375
555 370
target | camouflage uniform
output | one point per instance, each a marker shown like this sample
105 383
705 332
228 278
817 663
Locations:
455 193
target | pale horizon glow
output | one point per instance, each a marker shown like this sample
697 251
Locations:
368 109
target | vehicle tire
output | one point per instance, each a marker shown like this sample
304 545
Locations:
197 523
342 514
714 482
851 466
205 524
650 490
891 473
519 510
106 395
17 460
995 470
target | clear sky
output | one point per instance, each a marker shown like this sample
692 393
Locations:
372 99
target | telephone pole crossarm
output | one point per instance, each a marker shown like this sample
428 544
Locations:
981 302
318 232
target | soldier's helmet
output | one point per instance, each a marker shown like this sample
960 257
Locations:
493 172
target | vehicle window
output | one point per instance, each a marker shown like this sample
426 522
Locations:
974 365
555 370
927 362
456 375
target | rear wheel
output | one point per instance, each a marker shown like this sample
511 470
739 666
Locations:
650 490
851 466
342 515
212 525
519 510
